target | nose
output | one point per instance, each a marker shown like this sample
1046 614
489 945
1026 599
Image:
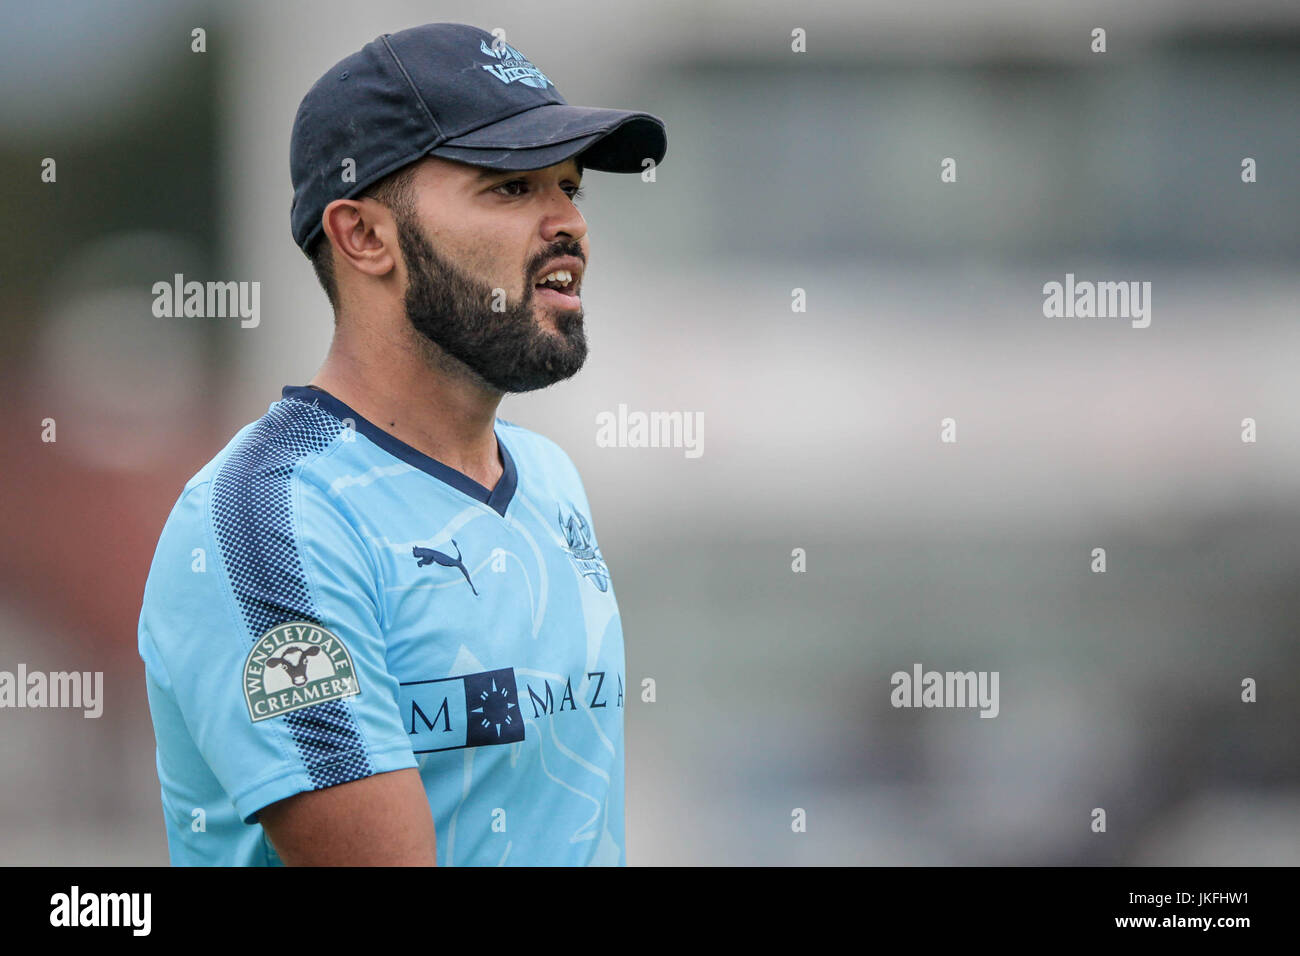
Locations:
563 220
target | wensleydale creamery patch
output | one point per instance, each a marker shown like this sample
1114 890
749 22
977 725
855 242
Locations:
296 665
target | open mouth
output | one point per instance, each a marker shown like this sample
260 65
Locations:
559 287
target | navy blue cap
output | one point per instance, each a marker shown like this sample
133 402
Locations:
449 90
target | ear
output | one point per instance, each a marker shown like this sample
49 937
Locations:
363 234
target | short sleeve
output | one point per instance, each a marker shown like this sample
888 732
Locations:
261 622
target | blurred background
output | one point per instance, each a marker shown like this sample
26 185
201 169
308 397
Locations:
818 171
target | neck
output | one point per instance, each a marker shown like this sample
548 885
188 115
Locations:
407 386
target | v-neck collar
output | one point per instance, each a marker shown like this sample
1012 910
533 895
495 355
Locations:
498 498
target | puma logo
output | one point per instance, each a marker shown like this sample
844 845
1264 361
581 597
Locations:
428 556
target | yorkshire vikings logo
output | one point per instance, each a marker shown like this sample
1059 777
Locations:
512 66
585 553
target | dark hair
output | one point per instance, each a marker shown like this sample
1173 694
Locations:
395 192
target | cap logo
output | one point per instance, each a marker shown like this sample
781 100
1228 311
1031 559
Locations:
512 66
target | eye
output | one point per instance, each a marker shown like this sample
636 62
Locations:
509 187
519 187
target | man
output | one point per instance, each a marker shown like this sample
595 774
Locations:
378 628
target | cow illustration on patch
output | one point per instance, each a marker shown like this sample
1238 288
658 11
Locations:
583 549
296 665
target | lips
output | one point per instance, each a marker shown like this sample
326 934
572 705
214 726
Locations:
557 297
562 275
559 282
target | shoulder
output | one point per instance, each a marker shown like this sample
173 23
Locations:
253 529
535 445
291 436
543 467
270 506
245 498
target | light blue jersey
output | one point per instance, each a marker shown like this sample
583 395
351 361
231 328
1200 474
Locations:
328 603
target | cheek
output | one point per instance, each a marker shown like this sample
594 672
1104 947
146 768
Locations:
487 252
502 264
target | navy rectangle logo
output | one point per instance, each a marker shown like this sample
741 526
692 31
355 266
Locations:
473 710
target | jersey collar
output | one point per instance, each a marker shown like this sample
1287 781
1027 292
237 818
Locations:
498 498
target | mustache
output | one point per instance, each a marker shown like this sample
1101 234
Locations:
556 250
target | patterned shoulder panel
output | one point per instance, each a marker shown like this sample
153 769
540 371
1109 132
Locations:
252 516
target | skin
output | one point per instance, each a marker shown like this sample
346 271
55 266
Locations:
381 820
493 230
386 370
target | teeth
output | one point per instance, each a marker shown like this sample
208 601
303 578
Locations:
562 276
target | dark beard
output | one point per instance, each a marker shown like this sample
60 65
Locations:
507 349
